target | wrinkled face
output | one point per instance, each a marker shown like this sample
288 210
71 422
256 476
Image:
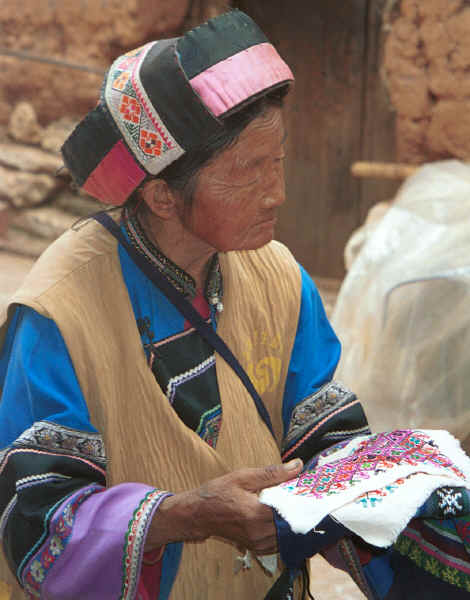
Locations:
237 195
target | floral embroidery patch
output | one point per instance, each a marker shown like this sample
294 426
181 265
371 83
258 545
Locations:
375 454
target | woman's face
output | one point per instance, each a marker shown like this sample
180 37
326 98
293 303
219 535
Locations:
237 194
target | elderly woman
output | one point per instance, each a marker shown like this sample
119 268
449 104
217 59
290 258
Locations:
135 439
161 361
166 368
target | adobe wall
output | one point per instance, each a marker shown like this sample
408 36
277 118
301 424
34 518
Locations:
427 71
89 33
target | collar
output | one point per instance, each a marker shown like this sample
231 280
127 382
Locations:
183 282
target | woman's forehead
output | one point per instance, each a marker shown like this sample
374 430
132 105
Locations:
263 137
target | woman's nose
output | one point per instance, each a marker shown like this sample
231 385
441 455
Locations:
275 190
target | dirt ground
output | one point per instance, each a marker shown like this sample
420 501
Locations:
327 583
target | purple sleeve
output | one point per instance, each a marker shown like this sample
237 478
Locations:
95 544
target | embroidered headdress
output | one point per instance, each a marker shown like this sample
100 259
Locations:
166 98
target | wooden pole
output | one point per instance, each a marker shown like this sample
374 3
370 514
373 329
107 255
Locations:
378 170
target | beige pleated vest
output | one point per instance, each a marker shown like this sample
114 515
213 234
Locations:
78 283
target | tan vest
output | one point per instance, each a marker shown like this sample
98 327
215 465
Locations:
78 283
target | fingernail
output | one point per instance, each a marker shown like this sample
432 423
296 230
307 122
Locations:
293 465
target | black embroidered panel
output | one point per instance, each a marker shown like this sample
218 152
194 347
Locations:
184 367
34 482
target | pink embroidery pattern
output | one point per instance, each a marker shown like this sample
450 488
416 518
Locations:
374 455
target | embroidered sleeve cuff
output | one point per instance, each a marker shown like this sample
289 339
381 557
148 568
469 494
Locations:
95 552
330 415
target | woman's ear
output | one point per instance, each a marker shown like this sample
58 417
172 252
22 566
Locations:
159 198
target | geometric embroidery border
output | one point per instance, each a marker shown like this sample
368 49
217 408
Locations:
134 542
182 378
51 436
315 407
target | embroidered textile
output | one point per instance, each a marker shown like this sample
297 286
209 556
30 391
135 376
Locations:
184 367
331 414
447 502
209 425
437 547
57 437
133 547
330 397
138 121
60 530
163 99
374 484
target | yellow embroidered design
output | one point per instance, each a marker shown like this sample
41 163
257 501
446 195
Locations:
264 369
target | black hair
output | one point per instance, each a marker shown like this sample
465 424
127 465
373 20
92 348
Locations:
181 175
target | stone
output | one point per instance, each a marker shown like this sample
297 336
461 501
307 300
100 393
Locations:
54 135
426 65
411 144
19 242
23 125
446 135
77 204
84 36
4 218
46 222
26 189
26 158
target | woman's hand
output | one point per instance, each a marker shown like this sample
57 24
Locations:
226 507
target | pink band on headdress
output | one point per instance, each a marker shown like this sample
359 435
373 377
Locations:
116 177
233 80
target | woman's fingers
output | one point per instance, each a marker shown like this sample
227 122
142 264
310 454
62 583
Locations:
255 480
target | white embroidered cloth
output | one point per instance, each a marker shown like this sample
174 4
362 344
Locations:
373 484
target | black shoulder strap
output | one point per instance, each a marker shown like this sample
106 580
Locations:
188 311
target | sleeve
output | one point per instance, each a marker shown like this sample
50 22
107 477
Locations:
64 533
317 411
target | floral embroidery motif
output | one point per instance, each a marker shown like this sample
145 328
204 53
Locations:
130 109
449 501
371 498
374 455
70 441
133 547
60 531
121 80
149 143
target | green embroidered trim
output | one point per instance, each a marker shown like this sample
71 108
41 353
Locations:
135 537
411 549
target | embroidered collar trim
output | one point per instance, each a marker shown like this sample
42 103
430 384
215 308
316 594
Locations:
183 282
